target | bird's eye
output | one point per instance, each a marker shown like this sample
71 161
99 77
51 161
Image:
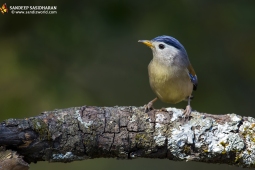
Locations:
161 46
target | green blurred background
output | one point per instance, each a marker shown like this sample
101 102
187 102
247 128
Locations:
88 54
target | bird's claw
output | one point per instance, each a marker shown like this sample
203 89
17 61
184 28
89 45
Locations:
163 109
149 106
187 111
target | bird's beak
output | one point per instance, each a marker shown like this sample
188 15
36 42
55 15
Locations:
146 42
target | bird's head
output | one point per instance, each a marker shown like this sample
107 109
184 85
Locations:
166 47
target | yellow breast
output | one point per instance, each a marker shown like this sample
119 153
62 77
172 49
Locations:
170 84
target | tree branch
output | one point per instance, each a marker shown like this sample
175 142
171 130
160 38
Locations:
79 133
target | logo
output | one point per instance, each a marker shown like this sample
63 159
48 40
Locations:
4 8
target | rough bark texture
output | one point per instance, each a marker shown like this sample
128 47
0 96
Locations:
128 132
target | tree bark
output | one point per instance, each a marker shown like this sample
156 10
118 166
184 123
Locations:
85 132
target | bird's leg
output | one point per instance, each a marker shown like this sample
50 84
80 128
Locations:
149 106
188 109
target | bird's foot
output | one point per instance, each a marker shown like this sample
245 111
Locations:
187 111
163 109
149 106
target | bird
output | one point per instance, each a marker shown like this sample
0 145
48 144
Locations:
171 75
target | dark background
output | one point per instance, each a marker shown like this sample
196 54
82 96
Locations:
88 54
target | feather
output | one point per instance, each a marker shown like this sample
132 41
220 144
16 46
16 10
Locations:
193 77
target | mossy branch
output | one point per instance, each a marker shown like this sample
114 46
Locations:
86 132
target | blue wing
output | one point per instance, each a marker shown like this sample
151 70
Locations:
193 80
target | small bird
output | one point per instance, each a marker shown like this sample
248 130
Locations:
171 76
